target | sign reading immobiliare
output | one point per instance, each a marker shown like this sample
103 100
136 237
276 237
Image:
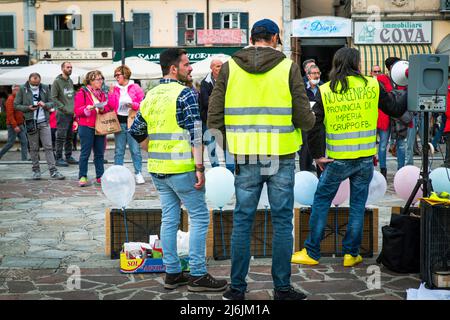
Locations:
393 32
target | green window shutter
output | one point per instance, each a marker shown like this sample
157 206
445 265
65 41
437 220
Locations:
216 21
141 29
49 22
103 30
244 20
181 28
199 21
62 38
7 32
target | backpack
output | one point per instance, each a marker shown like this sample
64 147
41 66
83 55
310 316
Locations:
401 244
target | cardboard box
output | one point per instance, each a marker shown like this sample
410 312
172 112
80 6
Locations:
146 265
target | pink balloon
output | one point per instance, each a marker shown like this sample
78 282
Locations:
404 182
343 193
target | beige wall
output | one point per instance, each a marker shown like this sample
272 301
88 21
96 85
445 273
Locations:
440 30
311 8
15 8
418 6
163 22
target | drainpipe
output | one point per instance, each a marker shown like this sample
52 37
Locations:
207 14
287 26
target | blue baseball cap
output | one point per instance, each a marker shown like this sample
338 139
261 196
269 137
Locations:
266 26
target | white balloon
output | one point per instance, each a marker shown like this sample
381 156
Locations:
219 186
305 187
264 199
377 188
118 185
440 180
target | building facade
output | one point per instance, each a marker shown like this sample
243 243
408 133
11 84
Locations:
88 32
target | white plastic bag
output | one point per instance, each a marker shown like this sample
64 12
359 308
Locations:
182 243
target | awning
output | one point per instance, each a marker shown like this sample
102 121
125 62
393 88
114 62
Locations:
376 54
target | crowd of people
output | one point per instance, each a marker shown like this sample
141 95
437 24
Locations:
333 126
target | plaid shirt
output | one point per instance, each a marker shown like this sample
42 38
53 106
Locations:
188 116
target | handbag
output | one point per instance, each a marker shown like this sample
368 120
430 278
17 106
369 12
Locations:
106 123
31 126
131 115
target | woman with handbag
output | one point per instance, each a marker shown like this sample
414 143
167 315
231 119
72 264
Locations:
125 98
90 100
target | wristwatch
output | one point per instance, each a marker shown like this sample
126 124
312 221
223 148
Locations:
200 169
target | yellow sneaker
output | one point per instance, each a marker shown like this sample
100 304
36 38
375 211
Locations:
301 257
350 261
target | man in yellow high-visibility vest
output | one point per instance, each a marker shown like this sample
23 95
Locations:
168 126
347 109
260 102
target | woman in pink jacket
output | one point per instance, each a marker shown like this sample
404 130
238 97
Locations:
123 98
89 100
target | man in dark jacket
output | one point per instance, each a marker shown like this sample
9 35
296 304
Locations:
206 88
260 102
63 95
33 99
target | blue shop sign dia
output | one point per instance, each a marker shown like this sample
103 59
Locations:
322 27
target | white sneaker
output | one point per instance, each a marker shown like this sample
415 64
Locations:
140 179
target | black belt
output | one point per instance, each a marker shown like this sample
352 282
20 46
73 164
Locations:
161 175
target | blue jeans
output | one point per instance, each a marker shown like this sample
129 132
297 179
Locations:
382 147
12 135
89 141
173 189
401 149
360 172
411 138
121 139
280 186
210 142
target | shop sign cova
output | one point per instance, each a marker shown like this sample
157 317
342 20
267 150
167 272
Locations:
393 32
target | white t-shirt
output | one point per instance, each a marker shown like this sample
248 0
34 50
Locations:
39 114
124 100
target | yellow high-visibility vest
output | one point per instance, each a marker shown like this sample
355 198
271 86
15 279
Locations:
169 147
258 112
351 119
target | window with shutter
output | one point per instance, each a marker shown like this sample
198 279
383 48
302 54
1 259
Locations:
62 30
141 29
181 28
103 30
7 32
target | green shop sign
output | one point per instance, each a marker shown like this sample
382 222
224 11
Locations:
195 54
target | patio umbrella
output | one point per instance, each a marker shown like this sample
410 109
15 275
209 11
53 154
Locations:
47 71
140 69
202 68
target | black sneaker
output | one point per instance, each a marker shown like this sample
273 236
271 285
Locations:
71 160
174 280
233 294
61 163
290 294
206 283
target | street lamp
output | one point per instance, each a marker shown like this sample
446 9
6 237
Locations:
122 30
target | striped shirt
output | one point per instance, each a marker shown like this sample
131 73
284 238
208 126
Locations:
188 116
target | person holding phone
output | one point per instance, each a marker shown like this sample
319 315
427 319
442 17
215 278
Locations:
125 99
89 101
33 99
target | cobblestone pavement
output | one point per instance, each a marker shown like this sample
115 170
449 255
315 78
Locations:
48 226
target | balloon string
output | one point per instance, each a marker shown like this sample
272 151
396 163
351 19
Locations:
265 231
222 233
336 230
125 221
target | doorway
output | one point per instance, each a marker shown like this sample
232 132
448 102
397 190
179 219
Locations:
322 51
